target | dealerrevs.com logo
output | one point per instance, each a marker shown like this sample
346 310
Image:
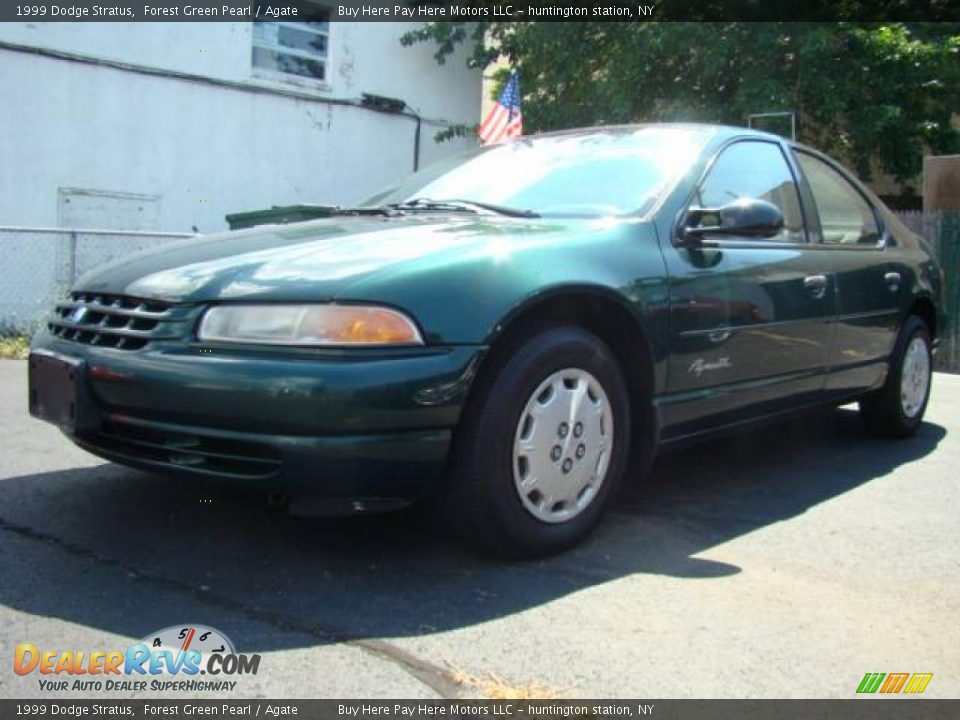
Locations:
171 660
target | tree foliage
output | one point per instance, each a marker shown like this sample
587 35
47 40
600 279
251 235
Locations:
874 94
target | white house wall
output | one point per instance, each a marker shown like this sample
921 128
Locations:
205 149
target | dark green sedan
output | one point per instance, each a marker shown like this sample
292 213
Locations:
512 332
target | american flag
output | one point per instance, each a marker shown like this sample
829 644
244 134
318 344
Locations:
505 120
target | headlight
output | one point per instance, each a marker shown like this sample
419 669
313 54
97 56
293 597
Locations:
308 325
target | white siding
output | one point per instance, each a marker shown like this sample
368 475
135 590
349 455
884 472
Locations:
204 149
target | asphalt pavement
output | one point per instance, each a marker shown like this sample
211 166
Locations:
784 562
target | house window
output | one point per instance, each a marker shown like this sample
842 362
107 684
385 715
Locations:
292 49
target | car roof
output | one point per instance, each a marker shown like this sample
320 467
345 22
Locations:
718 135
718 132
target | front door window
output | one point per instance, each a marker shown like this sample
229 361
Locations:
756 170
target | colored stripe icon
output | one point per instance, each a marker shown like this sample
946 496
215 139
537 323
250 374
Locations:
918 682
892 683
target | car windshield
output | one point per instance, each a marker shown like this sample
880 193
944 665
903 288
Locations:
608 172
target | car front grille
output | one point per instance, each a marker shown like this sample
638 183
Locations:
114 321
184 451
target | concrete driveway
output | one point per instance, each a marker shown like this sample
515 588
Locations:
784 563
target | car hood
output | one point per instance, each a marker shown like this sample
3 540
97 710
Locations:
312 261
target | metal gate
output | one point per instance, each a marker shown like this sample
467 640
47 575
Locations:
942 231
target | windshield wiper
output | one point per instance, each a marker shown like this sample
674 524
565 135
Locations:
376 210
457 205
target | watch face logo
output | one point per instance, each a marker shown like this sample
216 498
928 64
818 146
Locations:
182 638
699 366
78 315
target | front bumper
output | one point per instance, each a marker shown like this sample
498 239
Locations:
359 424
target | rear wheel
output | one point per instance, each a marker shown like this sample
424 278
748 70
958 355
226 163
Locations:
896 409
541 447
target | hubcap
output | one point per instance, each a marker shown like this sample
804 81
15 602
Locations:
915 377
562 446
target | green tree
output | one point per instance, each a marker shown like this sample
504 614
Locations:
868 93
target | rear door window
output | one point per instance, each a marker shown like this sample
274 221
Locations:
846 218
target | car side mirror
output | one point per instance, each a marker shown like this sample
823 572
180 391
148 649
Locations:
746 217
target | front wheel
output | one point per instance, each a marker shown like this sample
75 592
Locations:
897 408
542 445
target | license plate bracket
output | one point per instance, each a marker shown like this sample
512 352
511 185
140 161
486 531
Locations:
59 392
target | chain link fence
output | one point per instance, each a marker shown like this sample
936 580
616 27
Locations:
942 231
39 265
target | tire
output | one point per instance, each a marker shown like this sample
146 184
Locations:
510 437
896 409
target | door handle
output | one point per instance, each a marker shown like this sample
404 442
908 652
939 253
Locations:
816 285
892 279
720 335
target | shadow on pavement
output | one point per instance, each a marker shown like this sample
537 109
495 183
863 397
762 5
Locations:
114 549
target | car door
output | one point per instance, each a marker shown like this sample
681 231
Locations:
871 282
750 319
